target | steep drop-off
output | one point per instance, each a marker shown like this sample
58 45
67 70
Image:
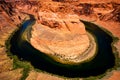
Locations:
12 14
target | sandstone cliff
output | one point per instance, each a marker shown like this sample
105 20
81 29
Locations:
57 29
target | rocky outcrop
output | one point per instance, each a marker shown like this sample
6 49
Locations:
11 75
57 27
7 26
33 75
63 38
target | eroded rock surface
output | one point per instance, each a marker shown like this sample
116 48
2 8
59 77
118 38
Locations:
65 38
103 12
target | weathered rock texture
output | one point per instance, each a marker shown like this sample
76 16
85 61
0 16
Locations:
63 38
7 26
33 75
105 13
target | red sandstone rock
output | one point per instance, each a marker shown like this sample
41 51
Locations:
104 12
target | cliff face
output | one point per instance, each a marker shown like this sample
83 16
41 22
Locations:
64 37
7 26
57 27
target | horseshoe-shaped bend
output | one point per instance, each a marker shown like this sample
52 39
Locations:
98 63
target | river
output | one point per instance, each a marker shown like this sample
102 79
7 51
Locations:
103 60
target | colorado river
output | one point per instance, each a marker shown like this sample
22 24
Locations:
103 60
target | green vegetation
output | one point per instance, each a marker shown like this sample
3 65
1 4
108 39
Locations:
17 63
114 49
22 64
95 77
115 52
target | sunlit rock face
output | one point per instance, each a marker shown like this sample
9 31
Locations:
62 37
66 31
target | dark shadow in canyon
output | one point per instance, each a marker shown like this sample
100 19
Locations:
103 60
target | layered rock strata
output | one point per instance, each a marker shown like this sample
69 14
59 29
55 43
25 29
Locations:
103 12
65 39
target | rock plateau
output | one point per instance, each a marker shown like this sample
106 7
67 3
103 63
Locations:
57 29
